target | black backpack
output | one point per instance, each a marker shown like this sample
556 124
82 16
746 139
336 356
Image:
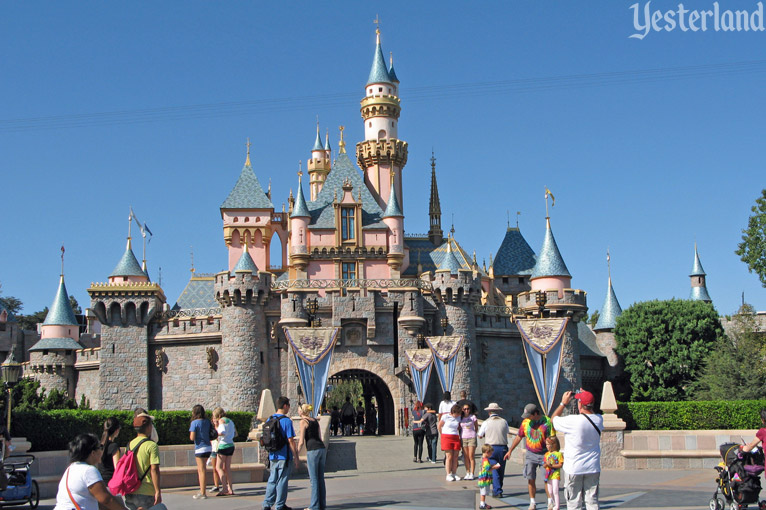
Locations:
272 437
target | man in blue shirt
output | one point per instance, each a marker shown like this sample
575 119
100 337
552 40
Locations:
276 488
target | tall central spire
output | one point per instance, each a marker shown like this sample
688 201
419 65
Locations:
435 234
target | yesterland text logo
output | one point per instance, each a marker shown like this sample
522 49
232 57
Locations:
646 19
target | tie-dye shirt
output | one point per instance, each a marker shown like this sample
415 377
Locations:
485 474
553 458
536 432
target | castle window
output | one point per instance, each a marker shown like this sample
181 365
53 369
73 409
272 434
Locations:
347 230
392 123
125 278
505 281
370 124
370 91
389 91
236 219
380 89
348 270
521 280
381 134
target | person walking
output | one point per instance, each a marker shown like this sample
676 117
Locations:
334 420
360 419
445 406
316 456
348 417
81 485
280 467
431 428
449 428
582 450
534 430
553 461
418 432
110 453
147 455
200 432
226 432
485 475
494 430
468 430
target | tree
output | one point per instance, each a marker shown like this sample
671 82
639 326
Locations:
75 305
734 369
12 304
752 249
344 389
664 345
31 321
593 319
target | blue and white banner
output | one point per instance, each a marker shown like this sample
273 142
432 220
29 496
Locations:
542 340
420 362
313 348
445 350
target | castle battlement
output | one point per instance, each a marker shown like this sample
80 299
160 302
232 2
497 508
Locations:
462 286
243 287
569 300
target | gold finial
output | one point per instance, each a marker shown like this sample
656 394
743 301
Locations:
300 170
377 26
62 261
342 143
247 161
609 265
392 173
553 201
191 254
390 59
317 124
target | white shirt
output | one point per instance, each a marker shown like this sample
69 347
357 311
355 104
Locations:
451 425
582 444
446 406
81 477
495 429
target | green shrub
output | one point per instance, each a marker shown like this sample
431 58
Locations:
52 430
692 415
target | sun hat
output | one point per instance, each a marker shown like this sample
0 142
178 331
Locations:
493 408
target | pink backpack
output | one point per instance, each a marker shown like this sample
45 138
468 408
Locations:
125 479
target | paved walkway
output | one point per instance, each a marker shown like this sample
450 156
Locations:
378 472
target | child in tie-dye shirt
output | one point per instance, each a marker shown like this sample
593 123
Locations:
553 461
485 473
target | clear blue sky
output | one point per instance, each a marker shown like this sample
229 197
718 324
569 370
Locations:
644 163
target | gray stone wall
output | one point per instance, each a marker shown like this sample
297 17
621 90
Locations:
54 370
124 367
88 384
186 379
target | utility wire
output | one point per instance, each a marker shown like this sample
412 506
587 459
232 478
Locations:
414 95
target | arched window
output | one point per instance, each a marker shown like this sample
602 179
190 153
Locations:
381 134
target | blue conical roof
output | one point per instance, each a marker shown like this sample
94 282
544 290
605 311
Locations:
247 192
607 318
550 262
700 294
327 146
450 262
393 209
318 145
515 256
128 265
697 267
379 71
300 210
61 313
246 263
392 73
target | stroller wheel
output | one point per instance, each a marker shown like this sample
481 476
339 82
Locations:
715 504
734 506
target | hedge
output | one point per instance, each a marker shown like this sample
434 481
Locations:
52 430
692 415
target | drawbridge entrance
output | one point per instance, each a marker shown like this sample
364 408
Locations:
372 386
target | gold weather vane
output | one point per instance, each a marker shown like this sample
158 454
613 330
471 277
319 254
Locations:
342 143
518 213
192 258
300 170
609 265
247 161
377 24
553 201
62 259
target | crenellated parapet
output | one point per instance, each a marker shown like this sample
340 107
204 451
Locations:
462 288
384 105
126 304
386 152
242 288
568 302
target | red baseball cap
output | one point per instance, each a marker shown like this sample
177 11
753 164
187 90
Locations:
585 397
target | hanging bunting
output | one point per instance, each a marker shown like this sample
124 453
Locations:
313 348
543 348
445 350
420 362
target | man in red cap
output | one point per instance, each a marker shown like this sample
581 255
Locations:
148 463
582 449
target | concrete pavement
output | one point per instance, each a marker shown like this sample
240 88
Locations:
378 472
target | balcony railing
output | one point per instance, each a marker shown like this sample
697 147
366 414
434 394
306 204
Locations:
191 312
496 310
353 284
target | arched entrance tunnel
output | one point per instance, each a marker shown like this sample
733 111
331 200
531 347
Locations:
372 386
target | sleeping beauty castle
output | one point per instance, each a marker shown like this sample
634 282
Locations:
355 296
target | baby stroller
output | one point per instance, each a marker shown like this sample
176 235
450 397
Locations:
21 489
738 478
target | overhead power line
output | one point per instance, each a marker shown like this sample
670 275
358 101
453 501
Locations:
423 94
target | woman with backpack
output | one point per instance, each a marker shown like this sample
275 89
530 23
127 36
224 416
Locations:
226 432
110 453
201 431
316 456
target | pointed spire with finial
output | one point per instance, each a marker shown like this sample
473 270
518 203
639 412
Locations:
435 234
341 143
300 209
246 262
247 159
379 70
60 313
550 262
607 317
393 209
450 262
318 145
391 72
699 286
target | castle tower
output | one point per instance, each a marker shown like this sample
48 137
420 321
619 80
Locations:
381 151
435 234
550 271
247 219
319 165
125 306
699 288
607 320
52 358
513 265
299 222
243 294
457 289
394 219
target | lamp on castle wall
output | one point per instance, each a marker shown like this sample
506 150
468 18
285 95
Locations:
11 371
421 341
445 322
541 299
312 307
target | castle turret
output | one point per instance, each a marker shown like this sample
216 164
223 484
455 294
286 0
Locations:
52 358
125 307
299 222
319 165
381 151
435 234
607 320
513 265
699 287
550 271
394 219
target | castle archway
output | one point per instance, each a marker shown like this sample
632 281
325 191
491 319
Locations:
372 386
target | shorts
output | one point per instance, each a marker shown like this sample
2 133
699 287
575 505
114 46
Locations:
469 441
226 452
203 455
532 461
450 442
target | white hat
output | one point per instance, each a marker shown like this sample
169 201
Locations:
493 407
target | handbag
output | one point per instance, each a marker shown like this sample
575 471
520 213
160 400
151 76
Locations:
77 507
212 433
